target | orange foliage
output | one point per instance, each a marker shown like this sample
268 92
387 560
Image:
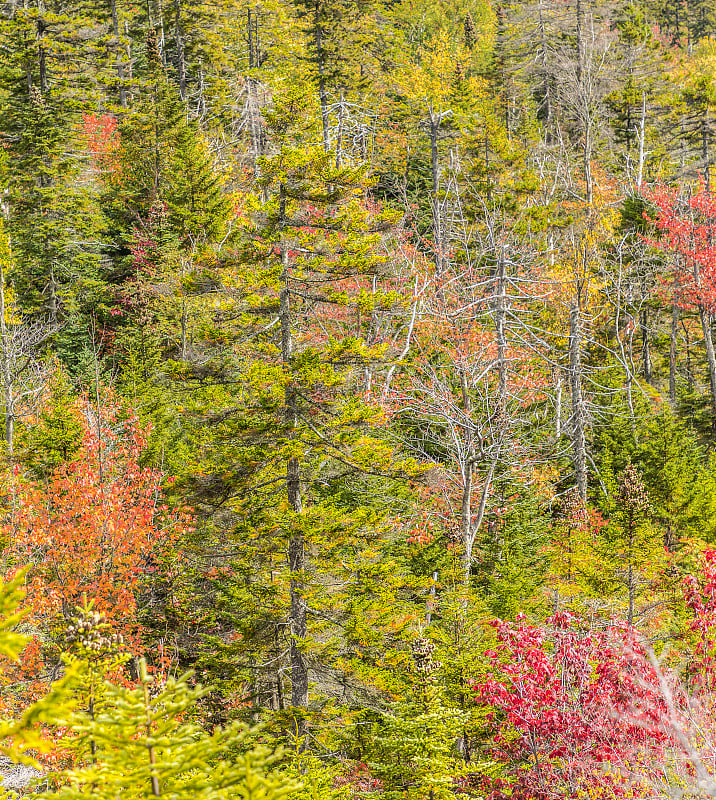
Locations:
102 137
96 527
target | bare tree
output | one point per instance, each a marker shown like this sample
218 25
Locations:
23 373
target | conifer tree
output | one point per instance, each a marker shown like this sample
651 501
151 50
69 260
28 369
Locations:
291 456
162 158
55 226
139 744
342 39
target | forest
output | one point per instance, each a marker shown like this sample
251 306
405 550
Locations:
358 397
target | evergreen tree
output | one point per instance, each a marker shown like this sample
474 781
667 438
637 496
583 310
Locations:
55 225
140 744
289 453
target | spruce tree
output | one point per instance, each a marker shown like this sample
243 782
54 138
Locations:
54 224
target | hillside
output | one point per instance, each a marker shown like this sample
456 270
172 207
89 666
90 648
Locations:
357 364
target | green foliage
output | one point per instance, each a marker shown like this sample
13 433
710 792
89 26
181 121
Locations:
318 778
278 214
54 437
54 222
512 565
141 745
414 747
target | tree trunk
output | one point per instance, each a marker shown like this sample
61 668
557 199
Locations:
588 176
181 62
201 100
120 65
252 98
296 546
546 78
500 315
672 353
645 354
42 57
468 466
689 372
435 120
579 447
580 46
6 371
557 374
339 143
629 364
53 304
431 600
466 521
322 93
128 51
705 318
642 137
162 39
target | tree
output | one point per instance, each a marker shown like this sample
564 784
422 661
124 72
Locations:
288 463
686 228
93 527
410 751
55 226
141 745
568 700
22 372
342 38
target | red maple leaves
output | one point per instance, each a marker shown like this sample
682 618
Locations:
687 229
574 708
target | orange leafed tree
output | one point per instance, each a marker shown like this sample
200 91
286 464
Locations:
96 527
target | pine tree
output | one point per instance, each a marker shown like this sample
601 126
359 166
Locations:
289 453
163 159
412 749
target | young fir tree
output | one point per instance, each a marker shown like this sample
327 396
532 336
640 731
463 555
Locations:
54 434
414 749
634 548
133 743
140 744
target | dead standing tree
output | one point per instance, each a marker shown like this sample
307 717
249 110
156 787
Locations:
22 373
461 401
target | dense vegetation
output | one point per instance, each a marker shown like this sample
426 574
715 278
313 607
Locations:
357 365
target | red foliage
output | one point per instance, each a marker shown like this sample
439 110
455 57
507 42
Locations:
701 600
688 230
573 709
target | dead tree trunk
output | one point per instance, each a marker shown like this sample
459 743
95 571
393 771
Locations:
579 445
645 353
434 121
673 340
500 319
